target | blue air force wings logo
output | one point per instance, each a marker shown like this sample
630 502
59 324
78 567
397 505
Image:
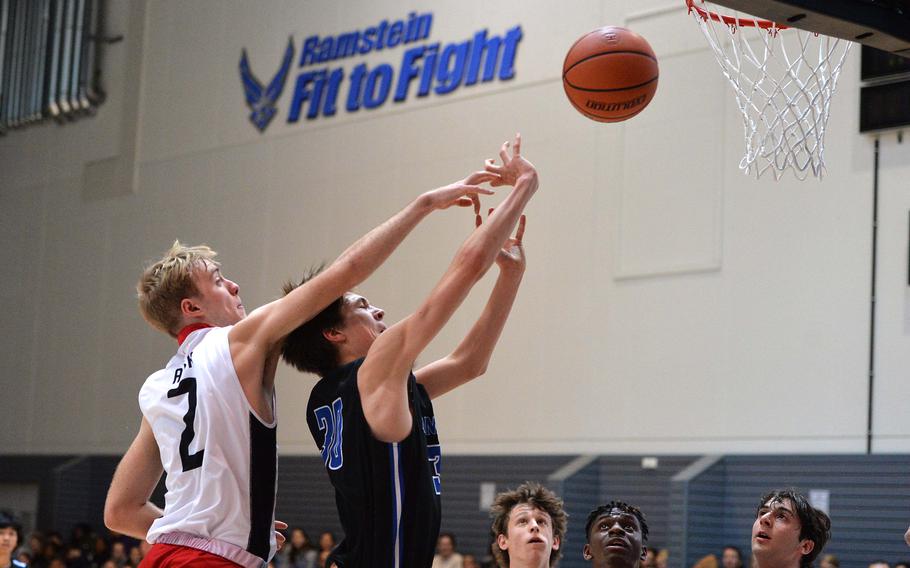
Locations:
261 100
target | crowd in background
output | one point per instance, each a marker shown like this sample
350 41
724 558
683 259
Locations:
87 549
732 557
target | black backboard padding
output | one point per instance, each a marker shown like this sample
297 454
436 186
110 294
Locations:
883 24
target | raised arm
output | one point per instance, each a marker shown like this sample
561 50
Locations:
256 336
127 509
471 357
382 379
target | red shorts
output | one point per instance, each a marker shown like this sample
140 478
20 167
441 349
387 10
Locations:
175 556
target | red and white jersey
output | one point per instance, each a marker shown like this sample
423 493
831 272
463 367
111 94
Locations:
220 457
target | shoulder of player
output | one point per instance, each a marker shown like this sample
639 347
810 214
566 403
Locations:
342 383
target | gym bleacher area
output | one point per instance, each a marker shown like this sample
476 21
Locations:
695 505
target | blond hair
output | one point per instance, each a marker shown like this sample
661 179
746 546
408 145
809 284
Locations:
164 284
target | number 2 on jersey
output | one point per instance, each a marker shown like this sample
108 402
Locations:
190 461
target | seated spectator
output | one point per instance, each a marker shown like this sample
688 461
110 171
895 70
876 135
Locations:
298 552
470 561
101 552
709 561
135 557
74 557
732 557
650 560
35 544
10 535
446 557
904 564
118 554
879 564
326 542
829 561
662 557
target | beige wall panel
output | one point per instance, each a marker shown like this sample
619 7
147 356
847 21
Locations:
671 304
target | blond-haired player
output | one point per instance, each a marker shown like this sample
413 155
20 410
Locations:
209 416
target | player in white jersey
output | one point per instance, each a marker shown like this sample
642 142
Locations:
209 417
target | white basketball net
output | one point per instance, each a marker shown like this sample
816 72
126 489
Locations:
783 87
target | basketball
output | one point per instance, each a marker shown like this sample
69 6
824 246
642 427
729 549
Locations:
610 74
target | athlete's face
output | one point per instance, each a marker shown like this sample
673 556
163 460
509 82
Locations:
8 540
775 535
362 324
218 302
530 539
615 540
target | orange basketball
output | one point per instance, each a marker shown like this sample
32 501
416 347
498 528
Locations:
610 74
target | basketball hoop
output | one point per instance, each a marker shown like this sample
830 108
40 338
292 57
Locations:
783 87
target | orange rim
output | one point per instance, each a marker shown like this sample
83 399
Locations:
732 21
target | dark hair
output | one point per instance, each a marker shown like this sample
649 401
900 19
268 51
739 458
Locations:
8 520
814 524
305 348
294 552
535 495
739 553
625 508
450 536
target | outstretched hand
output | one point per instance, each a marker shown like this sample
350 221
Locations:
462 193
511 256
513 167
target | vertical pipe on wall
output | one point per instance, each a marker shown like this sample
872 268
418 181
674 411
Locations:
872 300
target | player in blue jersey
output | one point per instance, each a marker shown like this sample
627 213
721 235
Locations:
209 417
373 417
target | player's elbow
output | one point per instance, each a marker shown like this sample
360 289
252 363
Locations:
471 367
475 371
117 512
113 515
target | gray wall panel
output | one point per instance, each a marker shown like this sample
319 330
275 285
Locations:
623 478
577 491
461 479
869 503
305 497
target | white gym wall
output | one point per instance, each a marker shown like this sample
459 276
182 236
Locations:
670 305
